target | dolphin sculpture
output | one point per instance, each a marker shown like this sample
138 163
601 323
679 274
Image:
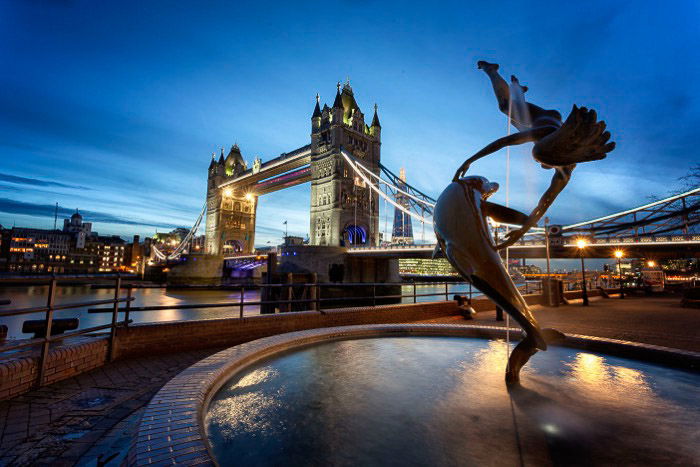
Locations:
462 232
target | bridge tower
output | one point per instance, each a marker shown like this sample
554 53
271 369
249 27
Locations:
344 211
230 224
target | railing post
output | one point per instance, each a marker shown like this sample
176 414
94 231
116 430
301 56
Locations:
447 294
242 300
374 294
414 291
470 293
128 304
115 317
318 297
49 320
290 291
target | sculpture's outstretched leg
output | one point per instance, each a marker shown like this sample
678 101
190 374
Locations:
500 87
526 349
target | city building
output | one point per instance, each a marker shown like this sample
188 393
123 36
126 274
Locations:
73 250
402 231
438 267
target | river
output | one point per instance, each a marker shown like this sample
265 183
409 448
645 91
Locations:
31 296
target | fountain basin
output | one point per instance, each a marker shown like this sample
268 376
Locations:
352 396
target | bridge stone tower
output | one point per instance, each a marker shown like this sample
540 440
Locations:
230 224
344 210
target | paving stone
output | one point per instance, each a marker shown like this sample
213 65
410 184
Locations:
33 426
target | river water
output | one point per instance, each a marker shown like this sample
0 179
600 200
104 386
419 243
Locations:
31 296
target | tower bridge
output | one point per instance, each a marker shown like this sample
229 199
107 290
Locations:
348 183
343 210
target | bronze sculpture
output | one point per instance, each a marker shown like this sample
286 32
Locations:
461 211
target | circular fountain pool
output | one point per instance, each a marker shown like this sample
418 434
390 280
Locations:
443 401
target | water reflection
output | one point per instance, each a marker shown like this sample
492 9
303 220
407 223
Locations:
443 401
33 296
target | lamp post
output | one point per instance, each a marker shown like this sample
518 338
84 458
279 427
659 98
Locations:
618 255
546 242
581 244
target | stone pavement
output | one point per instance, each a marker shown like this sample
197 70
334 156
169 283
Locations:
86 419
649 320
91 419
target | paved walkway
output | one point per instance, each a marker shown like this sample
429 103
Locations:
91 419
88 418
650 320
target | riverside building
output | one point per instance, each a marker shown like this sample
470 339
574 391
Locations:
73 250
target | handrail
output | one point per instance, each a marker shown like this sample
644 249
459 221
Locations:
47 278
285 302
65 306
46 340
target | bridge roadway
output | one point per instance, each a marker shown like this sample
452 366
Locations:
261 181
675 246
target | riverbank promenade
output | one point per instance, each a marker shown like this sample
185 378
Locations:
92 418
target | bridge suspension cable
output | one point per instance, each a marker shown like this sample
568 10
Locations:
420 206
175 254
362 171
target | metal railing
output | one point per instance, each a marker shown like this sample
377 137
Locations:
47 339
283 301
284 304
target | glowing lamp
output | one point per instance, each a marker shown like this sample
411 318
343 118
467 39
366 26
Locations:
651 264
228 192
581 243
619 254
248 196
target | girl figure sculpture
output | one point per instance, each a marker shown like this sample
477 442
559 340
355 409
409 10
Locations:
461 212
559 145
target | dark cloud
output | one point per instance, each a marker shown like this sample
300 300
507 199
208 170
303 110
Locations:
12 206
36 182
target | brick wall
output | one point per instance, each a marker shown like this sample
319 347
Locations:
19 375
143 339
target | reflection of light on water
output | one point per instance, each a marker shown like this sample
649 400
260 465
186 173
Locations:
245 411
589 369
256 377
593 376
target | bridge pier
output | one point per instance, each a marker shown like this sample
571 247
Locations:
197 269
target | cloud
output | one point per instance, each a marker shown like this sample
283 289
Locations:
12 206
36 182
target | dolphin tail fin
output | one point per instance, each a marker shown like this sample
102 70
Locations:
525 349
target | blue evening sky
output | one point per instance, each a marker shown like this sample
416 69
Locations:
116 107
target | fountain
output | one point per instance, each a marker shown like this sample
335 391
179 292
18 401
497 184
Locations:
429 394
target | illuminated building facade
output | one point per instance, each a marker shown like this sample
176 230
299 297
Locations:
438 267
344 211
230 222
75 249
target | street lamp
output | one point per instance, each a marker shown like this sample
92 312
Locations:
581 244
651 263
619 254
